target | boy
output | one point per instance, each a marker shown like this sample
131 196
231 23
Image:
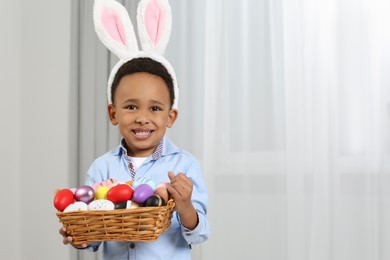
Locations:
142 95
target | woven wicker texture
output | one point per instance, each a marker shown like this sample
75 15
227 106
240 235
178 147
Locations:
139 224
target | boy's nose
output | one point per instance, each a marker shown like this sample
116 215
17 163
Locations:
141 120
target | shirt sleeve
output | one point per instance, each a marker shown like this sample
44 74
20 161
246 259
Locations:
199 200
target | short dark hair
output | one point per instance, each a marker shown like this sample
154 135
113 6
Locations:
143 65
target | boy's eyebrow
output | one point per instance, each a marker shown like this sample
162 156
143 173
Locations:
157 102
130 100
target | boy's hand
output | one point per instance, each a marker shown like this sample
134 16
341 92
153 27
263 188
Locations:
181 190
67 239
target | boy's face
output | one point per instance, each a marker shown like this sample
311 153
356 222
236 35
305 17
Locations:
142 111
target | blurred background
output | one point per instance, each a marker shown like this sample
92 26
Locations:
286 104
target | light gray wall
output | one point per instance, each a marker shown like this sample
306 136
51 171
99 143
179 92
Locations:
10 125
35 142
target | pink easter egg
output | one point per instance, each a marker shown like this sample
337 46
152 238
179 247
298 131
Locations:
85 194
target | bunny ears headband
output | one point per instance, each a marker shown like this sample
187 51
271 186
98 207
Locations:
115 30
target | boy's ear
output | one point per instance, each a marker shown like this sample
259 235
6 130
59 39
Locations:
172 116
112 114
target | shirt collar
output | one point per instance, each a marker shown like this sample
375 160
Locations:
157 153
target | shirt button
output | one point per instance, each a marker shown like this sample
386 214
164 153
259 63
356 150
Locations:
132 245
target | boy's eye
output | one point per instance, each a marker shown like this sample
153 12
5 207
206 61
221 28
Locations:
131 107
156 108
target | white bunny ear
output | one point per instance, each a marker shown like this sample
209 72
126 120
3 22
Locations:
154 20
114 28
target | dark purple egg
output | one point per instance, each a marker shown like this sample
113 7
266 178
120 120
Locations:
142 192
85 194
154 201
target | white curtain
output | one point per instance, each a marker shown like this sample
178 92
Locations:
287 106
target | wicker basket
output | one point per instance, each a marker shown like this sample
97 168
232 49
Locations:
138 224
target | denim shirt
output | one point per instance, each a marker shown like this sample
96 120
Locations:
175 243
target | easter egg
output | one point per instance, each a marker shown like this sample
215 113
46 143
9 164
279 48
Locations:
101 205
123 204
101 192
142 192
144 180
62 199
76 206
129 204
84 193
107 183
119 193
136 183
164 184
134 205
154 201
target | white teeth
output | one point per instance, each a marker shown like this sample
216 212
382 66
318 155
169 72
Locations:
142 133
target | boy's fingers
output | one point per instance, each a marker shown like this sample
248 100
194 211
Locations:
67 240
62 231
186 180
171 190
171 175
182 178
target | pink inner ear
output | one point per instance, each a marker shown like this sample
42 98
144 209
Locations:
113 24
154 21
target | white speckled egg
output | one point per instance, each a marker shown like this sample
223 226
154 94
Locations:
76 206
101 205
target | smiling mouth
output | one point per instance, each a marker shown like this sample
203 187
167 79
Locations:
142 133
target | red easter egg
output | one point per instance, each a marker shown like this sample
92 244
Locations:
63 198
119 193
